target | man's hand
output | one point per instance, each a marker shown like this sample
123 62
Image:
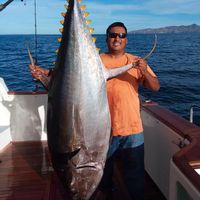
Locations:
149 81
141 64
38 72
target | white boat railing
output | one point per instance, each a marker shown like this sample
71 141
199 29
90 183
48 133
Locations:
22 116
5 136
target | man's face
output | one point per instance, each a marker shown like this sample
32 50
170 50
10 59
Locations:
115 42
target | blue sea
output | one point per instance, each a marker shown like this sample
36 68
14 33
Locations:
176 61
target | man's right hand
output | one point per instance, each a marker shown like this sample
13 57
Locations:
38 72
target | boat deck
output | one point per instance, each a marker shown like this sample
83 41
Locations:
26 173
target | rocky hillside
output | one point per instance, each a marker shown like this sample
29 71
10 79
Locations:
193 28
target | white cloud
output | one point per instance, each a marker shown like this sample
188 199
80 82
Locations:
173 7
144 14
152 6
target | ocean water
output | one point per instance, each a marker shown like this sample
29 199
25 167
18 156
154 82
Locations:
176 61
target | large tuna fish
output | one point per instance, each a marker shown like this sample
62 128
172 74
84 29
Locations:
78 121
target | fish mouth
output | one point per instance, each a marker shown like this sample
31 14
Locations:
81 160
90 165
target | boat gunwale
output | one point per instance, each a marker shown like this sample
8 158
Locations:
39 92
191 132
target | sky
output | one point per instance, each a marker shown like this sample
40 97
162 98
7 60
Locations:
18 17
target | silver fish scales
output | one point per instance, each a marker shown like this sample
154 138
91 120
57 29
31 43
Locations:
78 121
78 113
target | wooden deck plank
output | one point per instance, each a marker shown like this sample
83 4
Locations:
26 173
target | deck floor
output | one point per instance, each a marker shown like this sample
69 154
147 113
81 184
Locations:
26 173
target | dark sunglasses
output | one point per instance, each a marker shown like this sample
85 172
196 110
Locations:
114 35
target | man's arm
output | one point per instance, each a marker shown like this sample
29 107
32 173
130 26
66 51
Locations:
151 82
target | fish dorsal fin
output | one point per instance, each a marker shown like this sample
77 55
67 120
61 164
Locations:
85 14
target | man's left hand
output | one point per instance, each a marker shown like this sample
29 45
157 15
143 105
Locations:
141 64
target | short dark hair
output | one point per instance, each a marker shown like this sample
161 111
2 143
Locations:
114 25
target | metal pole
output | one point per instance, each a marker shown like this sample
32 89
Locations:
191 115
36 41
192 112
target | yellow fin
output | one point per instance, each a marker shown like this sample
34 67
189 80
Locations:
63 14
91 30
54 63
88 22
59 39
66 6
94 39
62 22
83 7
85 14
57 50
98 49
61 30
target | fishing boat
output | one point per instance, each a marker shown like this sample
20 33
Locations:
172 151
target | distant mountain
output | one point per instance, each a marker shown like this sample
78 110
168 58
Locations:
193 28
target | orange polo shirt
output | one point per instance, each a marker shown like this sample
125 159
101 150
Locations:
123 97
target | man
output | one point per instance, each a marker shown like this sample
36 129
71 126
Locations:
127 140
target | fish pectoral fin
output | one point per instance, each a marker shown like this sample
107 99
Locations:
73 153
105 73
119 70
